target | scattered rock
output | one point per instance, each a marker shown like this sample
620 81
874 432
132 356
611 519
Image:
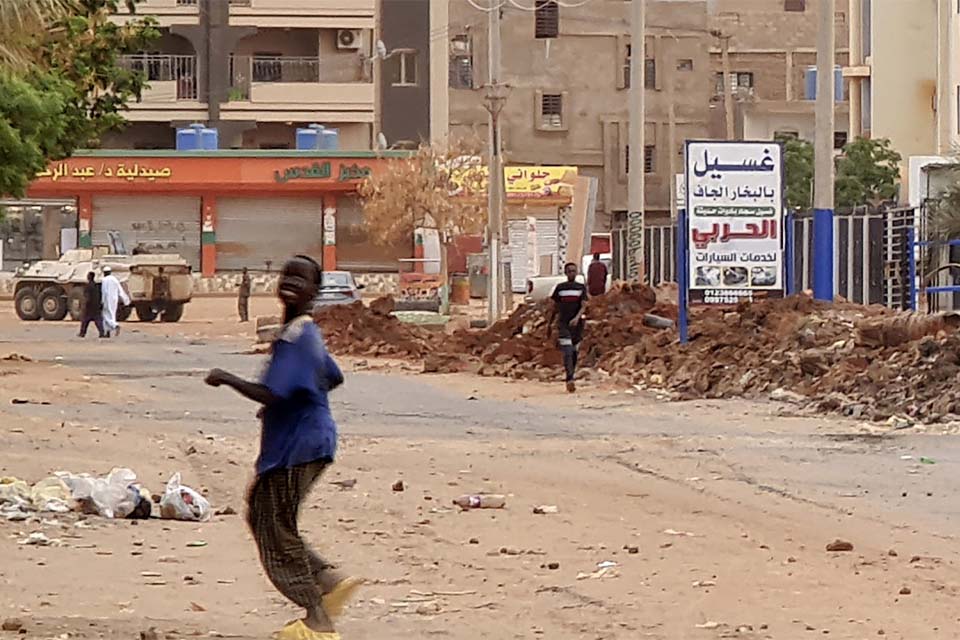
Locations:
905 591
345 485
12 624
225 511
840 546
546 509
553 566
150 634
398 486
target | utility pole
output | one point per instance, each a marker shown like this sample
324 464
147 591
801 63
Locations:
727 84
672 134
823 248
495 99
636 178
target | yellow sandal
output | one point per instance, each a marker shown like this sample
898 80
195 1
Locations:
336 600
299 631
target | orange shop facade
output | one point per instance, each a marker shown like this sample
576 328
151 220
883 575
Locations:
225 210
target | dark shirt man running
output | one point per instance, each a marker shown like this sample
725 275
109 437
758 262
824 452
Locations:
568 298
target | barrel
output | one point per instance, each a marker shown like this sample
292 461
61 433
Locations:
460 289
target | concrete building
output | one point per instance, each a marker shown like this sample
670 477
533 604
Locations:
770 45
256 70
904 75
568 69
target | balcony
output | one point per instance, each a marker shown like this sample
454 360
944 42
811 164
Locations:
302 14
173 86
289 88
166 12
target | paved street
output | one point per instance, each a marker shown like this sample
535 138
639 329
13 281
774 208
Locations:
759 495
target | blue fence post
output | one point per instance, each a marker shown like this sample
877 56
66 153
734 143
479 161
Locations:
823 254
683 275
912 266
788 256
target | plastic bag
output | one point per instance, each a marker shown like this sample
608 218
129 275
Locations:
183 503
52 494
115 496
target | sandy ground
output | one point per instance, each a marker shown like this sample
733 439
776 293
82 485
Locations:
715 514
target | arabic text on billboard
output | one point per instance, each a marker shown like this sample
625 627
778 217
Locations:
735 211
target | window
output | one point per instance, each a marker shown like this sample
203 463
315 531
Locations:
684 64
546 19
795 5
403 68
739 81
787 134
551 111
650 77
461 62
628 53
648 158
626 159
839 139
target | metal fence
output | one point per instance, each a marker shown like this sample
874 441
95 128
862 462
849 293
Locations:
247 69
159 67
869 264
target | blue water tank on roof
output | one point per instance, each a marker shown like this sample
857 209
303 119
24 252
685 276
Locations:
197 137
318 137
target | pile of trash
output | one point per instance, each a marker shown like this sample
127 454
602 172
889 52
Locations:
117 495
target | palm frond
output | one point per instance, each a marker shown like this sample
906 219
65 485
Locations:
22 22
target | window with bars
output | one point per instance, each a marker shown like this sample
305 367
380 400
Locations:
649 158
546 19
839 139
403 68
551 111
650 77
739 81
795 5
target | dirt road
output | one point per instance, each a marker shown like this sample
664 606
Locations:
716 515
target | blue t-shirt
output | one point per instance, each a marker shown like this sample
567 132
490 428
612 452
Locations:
298 428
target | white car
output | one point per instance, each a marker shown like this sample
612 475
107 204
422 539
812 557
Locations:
541 287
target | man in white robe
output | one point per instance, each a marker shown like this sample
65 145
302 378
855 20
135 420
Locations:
112 294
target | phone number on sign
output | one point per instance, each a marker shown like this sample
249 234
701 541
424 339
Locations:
727 296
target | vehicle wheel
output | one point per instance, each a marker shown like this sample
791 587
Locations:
173 312
75 303
123 312
53 303
146 313
26 304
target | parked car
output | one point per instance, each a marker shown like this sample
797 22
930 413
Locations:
338 287
541 287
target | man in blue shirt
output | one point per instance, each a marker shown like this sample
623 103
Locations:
298 441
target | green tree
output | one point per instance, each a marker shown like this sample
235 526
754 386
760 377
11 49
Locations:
868 173
798 169
73 88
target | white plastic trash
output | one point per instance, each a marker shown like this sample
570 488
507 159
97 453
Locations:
180 502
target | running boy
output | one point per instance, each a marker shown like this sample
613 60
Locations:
298 442
568 298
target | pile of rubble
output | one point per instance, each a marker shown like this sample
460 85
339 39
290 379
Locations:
371 331
862 361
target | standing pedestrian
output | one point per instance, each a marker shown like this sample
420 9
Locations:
92 307
298 442
112 294
243 296
597 277
568 298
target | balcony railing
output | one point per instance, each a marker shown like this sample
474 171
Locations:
161 70
247 69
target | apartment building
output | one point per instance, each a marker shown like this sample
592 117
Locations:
568 68
767 48
256 70
904 75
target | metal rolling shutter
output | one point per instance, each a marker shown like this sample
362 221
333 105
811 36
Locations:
548 245
159 224
517 235
252 232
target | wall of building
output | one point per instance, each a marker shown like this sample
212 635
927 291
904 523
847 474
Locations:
279 135
904 76
585 64
141 135
405 110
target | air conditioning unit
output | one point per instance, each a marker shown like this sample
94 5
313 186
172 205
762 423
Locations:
349 39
